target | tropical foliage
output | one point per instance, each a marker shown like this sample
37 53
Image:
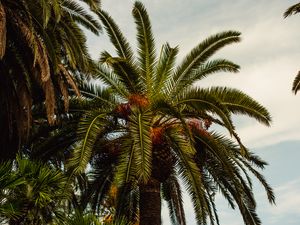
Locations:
152 129
109 150
42 48
290 11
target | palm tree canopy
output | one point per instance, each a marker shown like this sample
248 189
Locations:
152 124
42 48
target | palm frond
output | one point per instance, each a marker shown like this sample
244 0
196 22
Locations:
238 102
203 51
116 37
171 191
164 68
79 15
292 10
112 80
296 83
146 46
124 70
208 68
190 173
202 100
2 31
90 127
139 128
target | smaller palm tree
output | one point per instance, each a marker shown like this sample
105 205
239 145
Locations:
294 9
34 193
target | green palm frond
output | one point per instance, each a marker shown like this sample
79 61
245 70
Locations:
164 69
203 51
139 129
116 37
238 102
171 191
208 68
292 10
90 127
190 173
127 167
124 70
202 100
296 83
81 16
112 80
146 46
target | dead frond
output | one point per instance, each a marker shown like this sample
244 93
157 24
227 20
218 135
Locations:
2 31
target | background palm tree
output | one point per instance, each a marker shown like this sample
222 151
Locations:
35 193
42 48
153 124
290 11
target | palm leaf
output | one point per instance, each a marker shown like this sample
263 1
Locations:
296 83
292 10
203 51
164 69
202 100
116 37
90 127
2 31
208 68
146 46
238 102
139 128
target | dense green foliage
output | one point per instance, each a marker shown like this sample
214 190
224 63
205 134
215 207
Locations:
90 155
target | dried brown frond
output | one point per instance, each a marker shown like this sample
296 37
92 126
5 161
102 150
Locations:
69 79
50 102
123 110
64 91
24 115
2 31
37 46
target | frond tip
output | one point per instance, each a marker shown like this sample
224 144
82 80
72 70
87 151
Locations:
296 83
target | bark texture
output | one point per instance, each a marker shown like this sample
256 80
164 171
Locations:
150 203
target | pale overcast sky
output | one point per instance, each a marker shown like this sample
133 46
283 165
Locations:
269 58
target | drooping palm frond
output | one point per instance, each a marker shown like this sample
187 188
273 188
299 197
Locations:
292 10
146 46
296 83
238 102
81 16
172 194
208 68
2 31
203 52
91 125
201 100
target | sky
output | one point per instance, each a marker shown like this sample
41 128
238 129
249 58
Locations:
269 56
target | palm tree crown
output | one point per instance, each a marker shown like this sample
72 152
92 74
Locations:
42 48
153 124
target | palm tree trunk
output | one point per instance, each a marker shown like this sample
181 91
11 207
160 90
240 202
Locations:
150 203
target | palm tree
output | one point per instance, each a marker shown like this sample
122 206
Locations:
35 193
153 127
42 48
290 11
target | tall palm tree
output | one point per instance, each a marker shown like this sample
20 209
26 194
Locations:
290 11
42 48
153 126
